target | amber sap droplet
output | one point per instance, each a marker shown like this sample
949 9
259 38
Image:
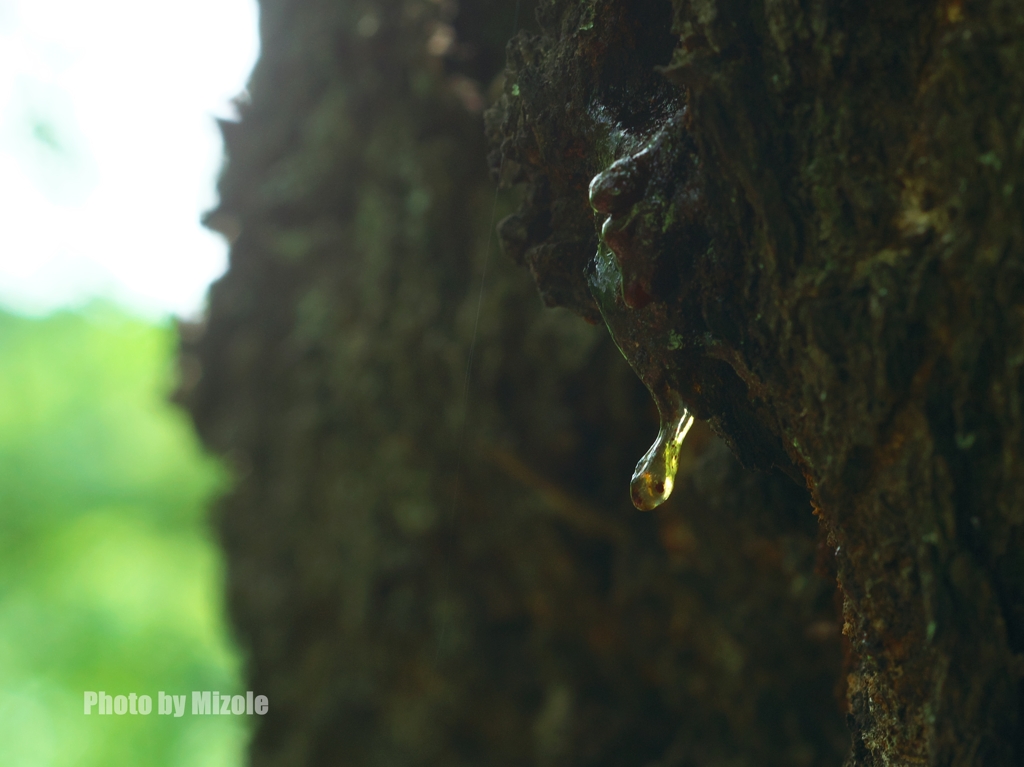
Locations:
621 185
655 475
618 234
635 294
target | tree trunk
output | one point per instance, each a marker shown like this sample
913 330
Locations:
799 221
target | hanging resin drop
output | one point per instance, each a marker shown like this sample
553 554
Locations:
655 474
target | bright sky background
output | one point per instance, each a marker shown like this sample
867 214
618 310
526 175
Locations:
108 148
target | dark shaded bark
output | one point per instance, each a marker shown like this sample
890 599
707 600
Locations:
814 246
815 239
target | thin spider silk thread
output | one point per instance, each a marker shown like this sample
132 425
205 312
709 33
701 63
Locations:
463 427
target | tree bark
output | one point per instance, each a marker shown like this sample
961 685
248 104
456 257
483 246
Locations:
799 221
815 239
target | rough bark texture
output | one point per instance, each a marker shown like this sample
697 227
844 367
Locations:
813 242
815 238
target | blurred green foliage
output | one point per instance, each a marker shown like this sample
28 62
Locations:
109 577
